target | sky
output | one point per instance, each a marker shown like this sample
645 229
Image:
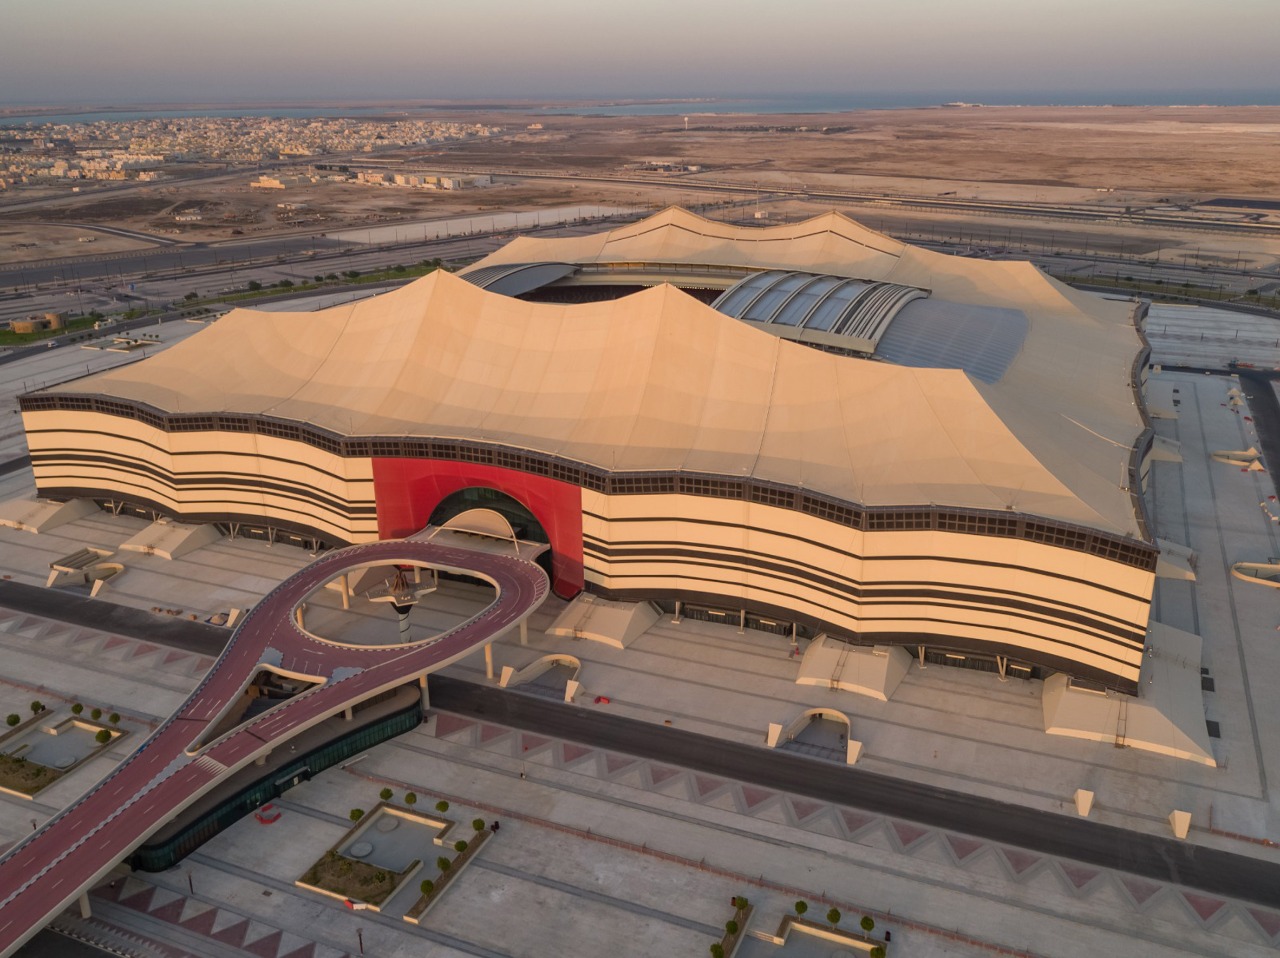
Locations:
170 51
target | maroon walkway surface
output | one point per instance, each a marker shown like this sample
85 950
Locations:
47 871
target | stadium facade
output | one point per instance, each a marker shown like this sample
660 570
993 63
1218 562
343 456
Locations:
810 428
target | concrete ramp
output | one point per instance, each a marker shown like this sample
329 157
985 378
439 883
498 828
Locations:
1166 717
874 671
171 540
1175 561
39 515
604 620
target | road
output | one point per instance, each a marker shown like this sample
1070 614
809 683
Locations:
1065 836
183 759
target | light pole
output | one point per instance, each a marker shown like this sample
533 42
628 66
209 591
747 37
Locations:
360 939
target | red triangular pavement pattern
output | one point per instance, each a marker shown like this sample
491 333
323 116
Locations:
202 924
173 656
1078 875
1203 905
447 725
907 833
805 809
660 773
265 947
306 951
963 847
139 901
233 934
615 763
489 732
531 743
1268 920
572 753
1019 861
171 912
1140 889
81 636
113 642
753 797
704 785
203 663
143 649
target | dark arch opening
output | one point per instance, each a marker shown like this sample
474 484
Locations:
523 522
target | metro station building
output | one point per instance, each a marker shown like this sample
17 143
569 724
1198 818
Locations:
809 429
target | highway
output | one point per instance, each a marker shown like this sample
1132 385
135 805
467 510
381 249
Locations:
49 869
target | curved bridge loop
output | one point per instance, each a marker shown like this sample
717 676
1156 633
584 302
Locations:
49 870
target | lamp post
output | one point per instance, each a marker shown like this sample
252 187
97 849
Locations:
360 939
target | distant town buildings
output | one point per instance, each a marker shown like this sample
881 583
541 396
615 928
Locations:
141 149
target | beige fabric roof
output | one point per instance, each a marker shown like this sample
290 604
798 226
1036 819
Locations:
655 380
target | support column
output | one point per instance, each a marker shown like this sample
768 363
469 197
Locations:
1002 663
348 713
920 656
488 662
676 620
742 621
84 905
426 694
524 631
417 575
345 582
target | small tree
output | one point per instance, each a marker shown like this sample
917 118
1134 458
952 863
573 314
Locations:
37 707
877 952
477 825
77 708
12 719
801 907
410 799
254 286
867 924
833 916
114 718
385 794
427 887
740 903
731 927
459 847
717 950
356 814
443 864
442 806
95 714
103 737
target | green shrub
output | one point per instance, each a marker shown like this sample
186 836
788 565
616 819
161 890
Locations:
867 923
833 916
459 847
12 719
114 718
740 902
95 714
37 707
801 907
477 824
443 864
410 799
877 952
427 886
442 806
356 814
385 794
77 708
717 950
731 927
103 737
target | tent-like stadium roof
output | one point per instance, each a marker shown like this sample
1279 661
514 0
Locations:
658 381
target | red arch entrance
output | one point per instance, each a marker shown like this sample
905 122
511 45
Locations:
407 491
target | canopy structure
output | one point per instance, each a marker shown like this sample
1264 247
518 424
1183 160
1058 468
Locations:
659 381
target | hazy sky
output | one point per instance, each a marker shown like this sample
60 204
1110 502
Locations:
61 51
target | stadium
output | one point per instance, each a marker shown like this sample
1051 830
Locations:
810 429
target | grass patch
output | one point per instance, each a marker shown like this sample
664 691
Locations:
9 338
24 776
358 881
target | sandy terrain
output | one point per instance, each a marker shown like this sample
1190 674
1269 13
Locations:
25 242
1115 157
